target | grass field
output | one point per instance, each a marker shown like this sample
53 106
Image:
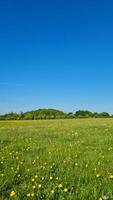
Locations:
56 159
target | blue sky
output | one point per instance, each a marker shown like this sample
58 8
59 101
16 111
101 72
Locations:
56 54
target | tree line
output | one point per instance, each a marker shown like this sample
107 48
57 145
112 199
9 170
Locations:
53 114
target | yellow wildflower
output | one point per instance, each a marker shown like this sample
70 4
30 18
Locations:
28 195
60 186
32 195
2 175
97 175
39 186
51 178
34 186
52 191
12 194
111 176
65 190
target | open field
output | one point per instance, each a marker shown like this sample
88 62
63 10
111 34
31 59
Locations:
56 159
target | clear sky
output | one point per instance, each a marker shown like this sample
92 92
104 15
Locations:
56 53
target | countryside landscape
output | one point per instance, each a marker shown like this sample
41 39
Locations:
56 100
56 159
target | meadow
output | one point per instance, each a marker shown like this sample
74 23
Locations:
56 159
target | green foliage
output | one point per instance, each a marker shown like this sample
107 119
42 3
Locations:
103 114
48 114
56 159
10 116
52 114
70 115
83 114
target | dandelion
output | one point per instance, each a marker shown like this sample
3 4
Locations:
97 175
65 190
13 193
2 175
32 194
34 186
60 186
57 178
28 195
51 178
111 176
52 191
39 186
100 198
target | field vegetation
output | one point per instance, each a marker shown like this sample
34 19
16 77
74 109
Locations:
69 159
